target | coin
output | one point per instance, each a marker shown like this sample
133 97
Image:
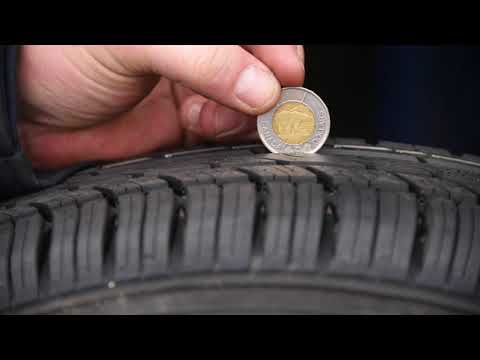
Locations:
298 123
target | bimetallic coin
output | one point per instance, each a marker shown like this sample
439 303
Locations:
299 123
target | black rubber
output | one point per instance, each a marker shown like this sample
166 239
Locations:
356 228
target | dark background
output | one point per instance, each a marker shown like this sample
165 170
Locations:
426 95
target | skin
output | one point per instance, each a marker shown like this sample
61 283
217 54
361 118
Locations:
105 103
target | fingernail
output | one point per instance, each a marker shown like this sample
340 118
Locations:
194 115
301 53
256 87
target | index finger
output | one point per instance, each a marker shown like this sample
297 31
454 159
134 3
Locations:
229 75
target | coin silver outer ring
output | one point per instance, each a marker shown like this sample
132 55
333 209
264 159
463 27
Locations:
307 146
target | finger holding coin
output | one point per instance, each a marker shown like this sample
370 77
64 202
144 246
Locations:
298 123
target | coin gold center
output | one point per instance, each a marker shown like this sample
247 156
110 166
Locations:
293 122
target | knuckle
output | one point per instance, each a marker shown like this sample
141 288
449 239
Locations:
212 63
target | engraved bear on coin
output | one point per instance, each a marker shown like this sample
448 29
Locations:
293 122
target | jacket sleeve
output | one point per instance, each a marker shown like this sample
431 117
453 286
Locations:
17 177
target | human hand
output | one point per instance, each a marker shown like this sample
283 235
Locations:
101 103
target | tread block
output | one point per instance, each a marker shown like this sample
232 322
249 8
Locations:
127 239
216 175
226 176
461 174
264 174
159 214
202 209
426 187
115 190
315 159
458 192
308 224
474 188
465 268
334 177
357 211
471 183
6 237
198 161
150 183
385 181
434 187
297 174
124 252
187 177
61 272
93 209
242 161
397 221
25 254
278 225
400 167
185 162
172 165
236 223
156 207
439 243
443 164
87 181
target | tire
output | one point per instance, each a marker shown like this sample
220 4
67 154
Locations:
355 229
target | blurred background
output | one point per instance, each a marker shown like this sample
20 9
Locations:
427 95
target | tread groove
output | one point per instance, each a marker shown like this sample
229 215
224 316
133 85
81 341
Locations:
217 228
110 233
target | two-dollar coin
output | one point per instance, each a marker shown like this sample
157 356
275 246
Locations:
299 123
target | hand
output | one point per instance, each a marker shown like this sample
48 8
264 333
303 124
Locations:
99 103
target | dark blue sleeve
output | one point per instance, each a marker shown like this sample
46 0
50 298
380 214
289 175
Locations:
17 177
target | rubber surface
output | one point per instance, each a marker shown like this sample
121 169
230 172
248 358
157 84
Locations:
356 228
